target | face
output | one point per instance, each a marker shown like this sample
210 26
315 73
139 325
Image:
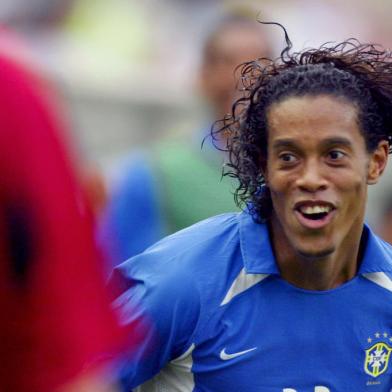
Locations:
318 170
235 45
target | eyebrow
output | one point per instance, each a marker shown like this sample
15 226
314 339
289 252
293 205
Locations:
332 141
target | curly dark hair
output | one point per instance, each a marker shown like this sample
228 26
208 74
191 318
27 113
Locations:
360 73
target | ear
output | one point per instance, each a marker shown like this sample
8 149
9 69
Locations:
378 162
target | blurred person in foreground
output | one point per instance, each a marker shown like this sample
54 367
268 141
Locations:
294 293
175 183
56 326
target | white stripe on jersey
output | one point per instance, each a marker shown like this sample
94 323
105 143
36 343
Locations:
176 376
242 282
380 278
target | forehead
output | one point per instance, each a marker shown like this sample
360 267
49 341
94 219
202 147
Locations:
313 117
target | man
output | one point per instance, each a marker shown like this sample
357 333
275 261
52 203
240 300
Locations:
175 184
295 293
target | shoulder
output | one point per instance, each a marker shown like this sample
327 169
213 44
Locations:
387 248
200 234
193 266
212 237
378 252
377 260
188 251
386 254
180 281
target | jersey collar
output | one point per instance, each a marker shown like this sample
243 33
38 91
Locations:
259 258
256 246
378 254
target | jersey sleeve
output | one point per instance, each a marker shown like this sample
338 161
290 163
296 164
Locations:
162 308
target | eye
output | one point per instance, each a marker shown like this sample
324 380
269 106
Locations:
336 155
287 157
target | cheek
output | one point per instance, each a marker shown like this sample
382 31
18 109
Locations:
349 181
350 190
280 190
281 184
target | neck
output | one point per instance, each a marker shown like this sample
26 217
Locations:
322 272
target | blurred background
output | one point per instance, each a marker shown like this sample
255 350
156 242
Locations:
127 69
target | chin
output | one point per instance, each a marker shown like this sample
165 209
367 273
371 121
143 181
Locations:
318 253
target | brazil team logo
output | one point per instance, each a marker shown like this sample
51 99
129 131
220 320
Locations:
377 359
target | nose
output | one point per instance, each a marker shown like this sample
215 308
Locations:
312 178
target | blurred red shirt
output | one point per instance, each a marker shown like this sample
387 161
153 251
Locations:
54 309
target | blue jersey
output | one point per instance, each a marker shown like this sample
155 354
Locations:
219 317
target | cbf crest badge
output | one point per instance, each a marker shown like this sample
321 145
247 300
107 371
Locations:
377 356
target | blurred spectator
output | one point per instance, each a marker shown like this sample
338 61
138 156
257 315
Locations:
175 184
56 324
32 14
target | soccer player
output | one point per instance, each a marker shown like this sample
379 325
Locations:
295 293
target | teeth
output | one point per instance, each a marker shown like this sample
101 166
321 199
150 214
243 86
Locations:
315 209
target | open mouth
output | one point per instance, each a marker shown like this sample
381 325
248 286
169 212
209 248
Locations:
314 214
